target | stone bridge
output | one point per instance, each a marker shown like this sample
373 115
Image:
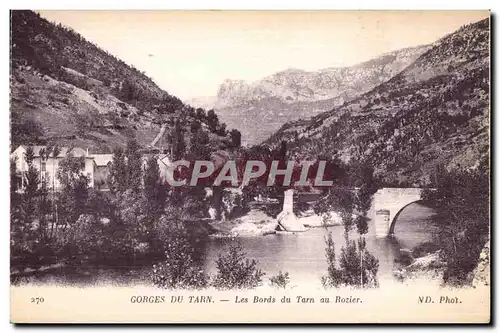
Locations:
388 204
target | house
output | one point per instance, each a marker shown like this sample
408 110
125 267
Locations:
48 165
102 165
103 162
164 163
97 166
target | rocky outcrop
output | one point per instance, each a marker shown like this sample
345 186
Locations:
254 223
428 267
259 108
481 275
296 85
288 221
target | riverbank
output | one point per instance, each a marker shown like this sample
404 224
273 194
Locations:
257 223
254 223
431 266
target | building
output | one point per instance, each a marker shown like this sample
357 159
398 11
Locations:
102 166
97 166
47 166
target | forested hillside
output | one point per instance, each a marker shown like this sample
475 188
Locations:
68 91
434 113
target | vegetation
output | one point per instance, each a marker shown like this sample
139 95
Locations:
355 266
409 124
462 203
54 74
52 67
280 281
179 268
397 127
235 271
141 221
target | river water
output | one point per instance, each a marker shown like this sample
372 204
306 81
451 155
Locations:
303 254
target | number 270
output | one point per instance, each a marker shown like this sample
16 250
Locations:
37 300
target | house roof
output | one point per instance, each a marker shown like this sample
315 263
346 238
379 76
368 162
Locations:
102 159
159 156
164 158
77 152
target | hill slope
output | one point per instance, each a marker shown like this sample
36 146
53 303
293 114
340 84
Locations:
68 91
261 107
435 112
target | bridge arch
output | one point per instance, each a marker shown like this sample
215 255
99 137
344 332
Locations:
389 203
396 216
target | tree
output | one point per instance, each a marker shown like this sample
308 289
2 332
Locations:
154 190
134 166
178 143
118 172
17 223
363 202
31 244
43 209
221 130
356 265
74 188
280 281
235 138
212 121
128 91
199 145
179 269
195 126
55 154
200 114
461 201
31 187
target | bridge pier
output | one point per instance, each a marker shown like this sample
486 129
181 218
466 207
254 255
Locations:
287 219
382 222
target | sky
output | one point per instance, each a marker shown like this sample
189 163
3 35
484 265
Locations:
190 53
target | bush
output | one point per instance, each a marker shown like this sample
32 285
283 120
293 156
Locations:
357 266
235 271
334 276
282 280
179 270
425 248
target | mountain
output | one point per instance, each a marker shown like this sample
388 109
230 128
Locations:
434 113
205 102
67 91
260 108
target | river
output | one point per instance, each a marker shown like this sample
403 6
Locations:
303 254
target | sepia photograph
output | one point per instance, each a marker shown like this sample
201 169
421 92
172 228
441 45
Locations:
175 166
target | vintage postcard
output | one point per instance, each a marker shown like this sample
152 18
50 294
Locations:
250 166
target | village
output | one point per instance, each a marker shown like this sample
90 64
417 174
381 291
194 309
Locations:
97 166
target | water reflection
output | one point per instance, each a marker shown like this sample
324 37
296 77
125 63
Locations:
303 254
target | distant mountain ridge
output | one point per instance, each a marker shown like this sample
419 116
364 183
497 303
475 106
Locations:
294 93
434 113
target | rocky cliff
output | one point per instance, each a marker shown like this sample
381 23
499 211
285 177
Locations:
434 112
260 108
